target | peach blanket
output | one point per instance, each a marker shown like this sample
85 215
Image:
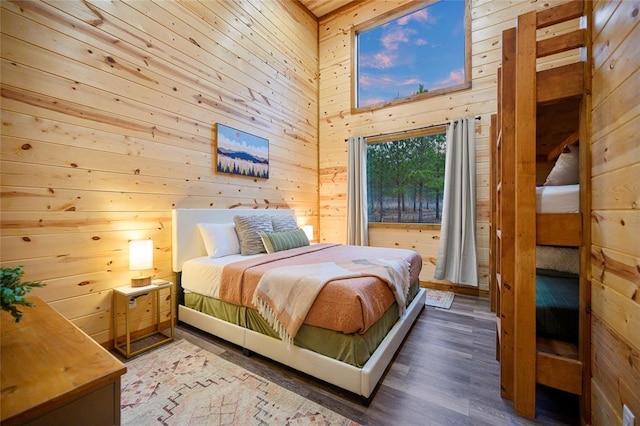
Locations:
350 305
284 295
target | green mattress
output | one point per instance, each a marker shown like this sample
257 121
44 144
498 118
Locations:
557 302
354 349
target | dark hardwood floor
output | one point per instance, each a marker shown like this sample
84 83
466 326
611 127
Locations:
445 373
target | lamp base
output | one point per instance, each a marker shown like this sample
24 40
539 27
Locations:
141 281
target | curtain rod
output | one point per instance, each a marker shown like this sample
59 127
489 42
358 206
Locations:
478 117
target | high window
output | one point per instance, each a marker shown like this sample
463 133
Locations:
417 51
405 177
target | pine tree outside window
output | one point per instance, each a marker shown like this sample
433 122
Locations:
405 178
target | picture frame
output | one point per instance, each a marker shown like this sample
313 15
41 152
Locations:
241 153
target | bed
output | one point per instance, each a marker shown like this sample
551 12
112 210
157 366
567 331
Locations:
557 305
539 240
352 354
557 271
557 267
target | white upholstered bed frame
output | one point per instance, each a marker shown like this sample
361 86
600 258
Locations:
188 244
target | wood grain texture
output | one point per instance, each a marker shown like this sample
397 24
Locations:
47 363
617 270
559 229
615 252
559 373
506 215
525 208
107 118
321 8
615 370
560 83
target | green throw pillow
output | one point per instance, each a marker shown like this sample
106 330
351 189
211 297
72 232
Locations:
278 241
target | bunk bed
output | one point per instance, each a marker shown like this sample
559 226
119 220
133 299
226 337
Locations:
543 324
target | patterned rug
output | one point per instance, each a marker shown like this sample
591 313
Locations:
182 384
439 298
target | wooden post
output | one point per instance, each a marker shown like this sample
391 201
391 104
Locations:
494 226
585 209
507 213
525 238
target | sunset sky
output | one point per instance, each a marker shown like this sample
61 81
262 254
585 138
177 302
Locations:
424 47
235 140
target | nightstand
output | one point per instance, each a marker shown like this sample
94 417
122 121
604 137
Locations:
127 295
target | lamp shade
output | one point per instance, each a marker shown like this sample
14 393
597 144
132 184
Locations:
140 258
308 230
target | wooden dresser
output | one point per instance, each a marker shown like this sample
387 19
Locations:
53 373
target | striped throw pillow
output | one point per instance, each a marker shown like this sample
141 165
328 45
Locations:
248 229
279 241
284 223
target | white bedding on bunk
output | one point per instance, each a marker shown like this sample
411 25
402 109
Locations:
558 199
202 274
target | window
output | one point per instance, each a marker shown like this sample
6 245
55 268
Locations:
417 51
405 177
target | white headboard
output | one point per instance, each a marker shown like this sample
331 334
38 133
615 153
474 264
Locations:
185 236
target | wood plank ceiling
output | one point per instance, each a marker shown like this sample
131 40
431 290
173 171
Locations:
321 8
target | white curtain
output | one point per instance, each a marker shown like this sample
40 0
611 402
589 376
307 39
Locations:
457 261
357 232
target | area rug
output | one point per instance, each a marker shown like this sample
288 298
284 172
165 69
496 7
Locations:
183 384
439 298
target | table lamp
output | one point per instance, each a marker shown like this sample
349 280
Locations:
308 230
140 259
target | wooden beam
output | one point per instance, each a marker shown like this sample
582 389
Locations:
564 12
561 43
558 347
572 139
585 159
492 212
560 83
559 229
525 206
506 214
559 372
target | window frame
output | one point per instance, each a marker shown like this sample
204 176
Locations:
396 136
390 16
409 226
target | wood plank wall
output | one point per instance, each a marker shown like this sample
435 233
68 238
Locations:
615 219
107 115
489 19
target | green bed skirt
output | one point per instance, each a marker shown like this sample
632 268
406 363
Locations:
354 349
557 304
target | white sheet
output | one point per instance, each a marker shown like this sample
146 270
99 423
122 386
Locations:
558 199
202 274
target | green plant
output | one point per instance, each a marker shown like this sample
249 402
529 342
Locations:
13 290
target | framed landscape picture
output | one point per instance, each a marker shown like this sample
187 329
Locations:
240 153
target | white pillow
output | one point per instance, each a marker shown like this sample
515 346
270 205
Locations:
220 239
566 171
